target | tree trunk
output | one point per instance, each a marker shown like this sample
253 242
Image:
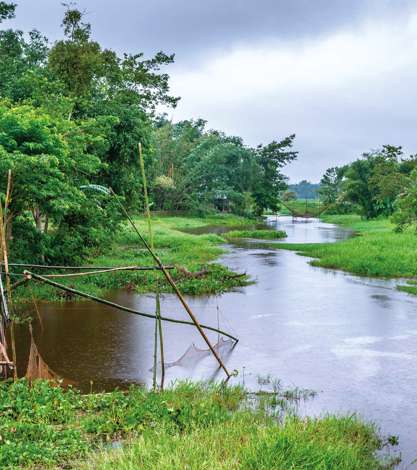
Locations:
37 217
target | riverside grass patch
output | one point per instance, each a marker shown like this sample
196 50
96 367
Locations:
375 251
191 425
257 234
195 253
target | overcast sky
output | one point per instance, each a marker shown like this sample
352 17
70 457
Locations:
340 74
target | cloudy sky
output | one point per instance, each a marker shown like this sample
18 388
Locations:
340 74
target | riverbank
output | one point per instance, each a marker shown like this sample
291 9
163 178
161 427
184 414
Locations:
192 425
191 254
375 251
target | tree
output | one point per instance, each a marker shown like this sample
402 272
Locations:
101 83
271 159
91 73
331 187
7 10
50 161
374 181
406 204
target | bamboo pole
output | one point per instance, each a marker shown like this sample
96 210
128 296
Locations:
5 259
161 340
174 286
158 322
127 268
4 305
4 231
90 273
145 194
39 278
155 353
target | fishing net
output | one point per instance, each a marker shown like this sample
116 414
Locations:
37 368
193 355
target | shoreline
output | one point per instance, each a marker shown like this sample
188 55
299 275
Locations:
376 251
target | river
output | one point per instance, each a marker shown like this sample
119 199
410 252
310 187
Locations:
351 339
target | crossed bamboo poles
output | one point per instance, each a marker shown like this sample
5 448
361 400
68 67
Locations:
29 275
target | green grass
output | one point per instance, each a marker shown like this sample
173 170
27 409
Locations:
375 251
195 426
195 253
259 234
358 224
300 207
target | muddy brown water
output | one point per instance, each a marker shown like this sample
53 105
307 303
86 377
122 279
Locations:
352 339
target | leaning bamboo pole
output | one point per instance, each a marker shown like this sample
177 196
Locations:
29 275
174 286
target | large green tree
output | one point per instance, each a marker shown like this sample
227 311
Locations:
271 182
374 181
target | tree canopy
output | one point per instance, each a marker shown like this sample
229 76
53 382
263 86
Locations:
72 114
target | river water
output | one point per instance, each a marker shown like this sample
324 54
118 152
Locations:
351 339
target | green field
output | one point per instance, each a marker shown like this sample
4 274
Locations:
193 426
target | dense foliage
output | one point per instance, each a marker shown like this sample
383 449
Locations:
198 169
73 113
380 183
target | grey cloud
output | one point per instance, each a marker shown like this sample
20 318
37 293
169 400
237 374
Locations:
332 127
191 28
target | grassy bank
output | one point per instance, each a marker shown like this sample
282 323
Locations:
191 426
257 234
375 251
193 256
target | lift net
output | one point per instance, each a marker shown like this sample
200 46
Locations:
193 355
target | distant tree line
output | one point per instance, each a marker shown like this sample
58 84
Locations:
71 116
379 183
304 190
